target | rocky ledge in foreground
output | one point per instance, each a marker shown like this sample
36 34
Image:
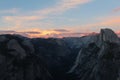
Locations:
95 57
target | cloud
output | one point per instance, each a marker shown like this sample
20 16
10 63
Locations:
50 33
68 4
103 22
23 20
62 6
61 30
32 32
116 10
7 32
9 11
108 21
35 33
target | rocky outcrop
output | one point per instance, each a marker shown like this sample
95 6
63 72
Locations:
18 60
99 59
108 35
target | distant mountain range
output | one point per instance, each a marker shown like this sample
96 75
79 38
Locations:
91 57
35 34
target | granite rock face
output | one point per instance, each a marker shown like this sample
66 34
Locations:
100 59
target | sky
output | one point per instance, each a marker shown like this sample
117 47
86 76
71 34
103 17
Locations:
43 18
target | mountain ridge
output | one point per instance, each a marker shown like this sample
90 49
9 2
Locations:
93 57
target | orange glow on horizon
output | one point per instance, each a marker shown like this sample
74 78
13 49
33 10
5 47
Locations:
45 34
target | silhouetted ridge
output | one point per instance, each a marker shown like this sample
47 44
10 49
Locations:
18 60
94 57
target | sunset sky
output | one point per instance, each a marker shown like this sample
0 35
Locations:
45 17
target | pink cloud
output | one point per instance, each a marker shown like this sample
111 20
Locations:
38 33
21 18
61 30
33 33
22 21
110 22
116 10
62 6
